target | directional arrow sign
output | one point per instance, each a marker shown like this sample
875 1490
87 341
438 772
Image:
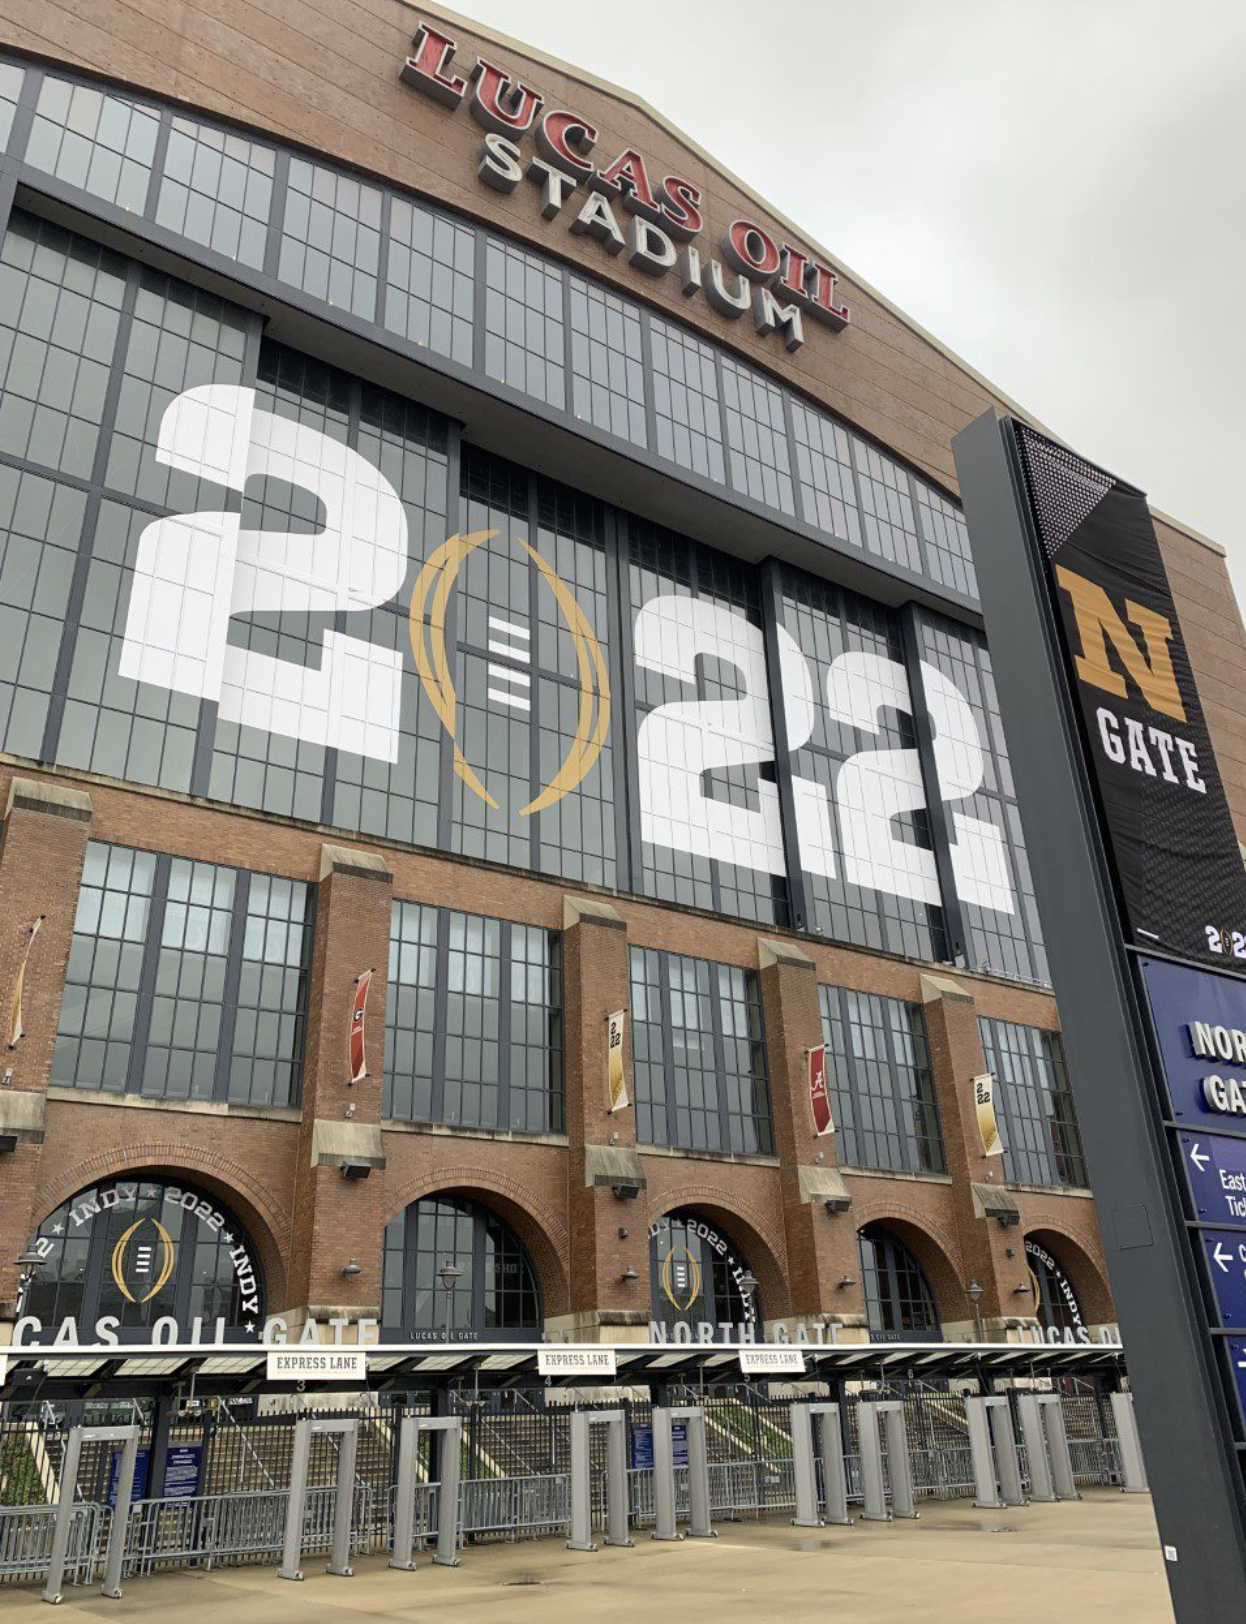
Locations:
1215 1167
1225 1252
1235 1351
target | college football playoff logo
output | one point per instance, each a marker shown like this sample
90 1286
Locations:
142 1260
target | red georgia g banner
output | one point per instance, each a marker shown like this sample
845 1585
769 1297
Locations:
819 1094
358 1068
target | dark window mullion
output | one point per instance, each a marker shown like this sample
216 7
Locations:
147 974
24 116
533 578
716 977
158 157
668 1055
233 979
441 998
504 1024
277 213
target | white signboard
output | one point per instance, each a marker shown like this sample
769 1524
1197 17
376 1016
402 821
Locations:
317 1364
576 1362
772 1362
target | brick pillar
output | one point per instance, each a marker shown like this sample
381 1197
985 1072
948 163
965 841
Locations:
977 1180
601 1146
821 1246
337 1219
46 829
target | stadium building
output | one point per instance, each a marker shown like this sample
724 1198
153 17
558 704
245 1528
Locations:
507 829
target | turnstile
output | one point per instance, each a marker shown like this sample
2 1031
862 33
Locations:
446 1554
872 1420
664 1472
1046 1447
993 1449
123 1490
825 1417
580 1530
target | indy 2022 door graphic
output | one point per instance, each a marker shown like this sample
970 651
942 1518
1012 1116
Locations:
506 680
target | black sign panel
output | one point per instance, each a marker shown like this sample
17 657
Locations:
1173 845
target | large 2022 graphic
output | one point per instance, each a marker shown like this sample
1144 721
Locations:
194 572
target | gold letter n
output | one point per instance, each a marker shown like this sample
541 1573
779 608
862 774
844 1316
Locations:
1098 624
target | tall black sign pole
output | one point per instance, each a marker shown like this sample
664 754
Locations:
1183 1416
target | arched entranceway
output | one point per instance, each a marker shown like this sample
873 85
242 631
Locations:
1054 1302
135 1251
899 1304
696 1277
454 1270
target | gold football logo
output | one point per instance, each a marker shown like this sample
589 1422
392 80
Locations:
681 1277
429 603
142 1265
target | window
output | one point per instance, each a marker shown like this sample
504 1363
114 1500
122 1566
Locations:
947 541
607 372
882 1087
524 332
699 1055
11 77
824 473
899 1304
1042 1141
186 980
430 280
140 1249
101 144
492 1294
1007 939
873 882
473 1033
217 190
886 507
331 238
757 437
686 404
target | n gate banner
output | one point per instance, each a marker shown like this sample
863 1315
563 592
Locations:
16 1030
1179 871
819 1094
616 1080
984 1107
358 1063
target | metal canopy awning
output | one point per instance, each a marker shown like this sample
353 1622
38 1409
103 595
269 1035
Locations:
125 1372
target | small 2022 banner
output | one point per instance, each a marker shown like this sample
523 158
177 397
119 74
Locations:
616 1081
819 1092
317 1364
576 1362
984 1107
772 1361
358 1060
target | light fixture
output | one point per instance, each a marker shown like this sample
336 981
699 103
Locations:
973 1291
624 1232
629 1274
847 1283
351 1270
748 1285
356 1170
625 1192
1023 1290
837 1203
450 1273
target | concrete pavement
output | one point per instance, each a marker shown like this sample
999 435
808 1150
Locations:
955 1565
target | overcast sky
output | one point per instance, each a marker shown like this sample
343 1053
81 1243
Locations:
1054 188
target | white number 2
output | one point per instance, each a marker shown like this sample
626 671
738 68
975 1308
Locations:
194 571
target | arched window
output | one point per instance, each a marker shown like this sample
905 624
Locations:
492 1295
899 1304
1054 1303
696 1278
139 1250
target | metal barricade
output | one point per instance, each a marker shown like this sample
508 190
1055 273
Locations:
26 1534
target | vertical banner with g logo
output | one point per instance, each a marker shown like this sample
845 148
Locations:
616 1080
358 1061
819 1093
984 1104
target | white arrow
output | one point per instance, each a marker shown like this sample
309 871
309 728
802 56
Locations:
1222 1261
1200 1159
